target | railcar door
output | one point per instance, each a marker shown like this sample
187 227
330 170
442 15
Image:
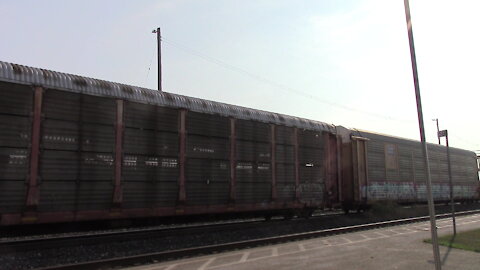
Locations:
360 169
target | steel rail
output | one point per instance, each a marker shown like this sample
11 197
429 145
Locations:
17 244
202 250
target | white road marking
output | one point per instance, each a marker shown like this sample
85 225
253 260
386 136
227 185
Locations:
205 265
244 257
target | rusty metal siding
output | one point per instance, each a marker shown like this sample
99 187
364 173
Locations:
208 181
310 138
253 169
62 105
207 164
208 125
284 135
148 194
77 84
15 131
16 104
253 151
284 153
253 131
143 116
285 163
253 172
311 166
57 196
137 168
12 196
149 142
285 173
94 195
78 145
407 182
256 192
150 161
15 99
207 147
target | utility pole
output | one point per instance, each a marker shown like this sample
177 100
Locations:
438 130
431 207
159 55
444 133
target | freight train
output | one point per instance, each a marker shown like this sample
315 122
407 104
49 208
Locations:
75 149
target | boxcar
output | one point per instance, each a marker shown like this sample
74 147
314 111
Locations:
379 167
75 148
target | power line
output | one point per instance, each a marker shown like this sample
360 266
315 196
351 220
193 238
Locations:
149 66
273 83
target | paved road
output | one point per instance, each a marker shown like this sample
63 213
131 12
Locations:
399 247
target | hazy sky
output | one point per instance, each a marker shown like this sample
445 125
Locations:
344 62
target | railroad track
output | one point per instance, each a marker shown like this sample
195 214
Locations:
194 251
38 242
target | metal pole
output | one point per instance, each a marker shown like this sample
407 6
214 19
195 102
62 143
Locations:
159 61
438 130
431 208
451 186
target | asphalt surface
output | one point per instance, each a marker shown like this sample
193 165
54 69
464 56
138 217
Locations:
399 247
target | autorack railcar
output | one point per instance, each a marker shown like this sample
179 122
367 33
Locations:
74 148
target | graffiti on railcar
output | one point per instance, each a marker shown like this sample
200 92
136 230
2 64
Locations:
408 191
385 190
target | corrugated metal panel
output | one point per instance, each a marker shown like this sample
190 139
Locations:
310 138
257 192
149 142
59 165
285 192
72 83
285 173
207 147
463 168
145 116
57 196
14 163
207 124
207 181
149 194
94 195
284 135
253 172
63 105
15 139
207 194
15 99
15 131
252 131
207 171
12 196
310 155
311 191
284 153
64 165
252 151
65 135
149 169
313 174
71 196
